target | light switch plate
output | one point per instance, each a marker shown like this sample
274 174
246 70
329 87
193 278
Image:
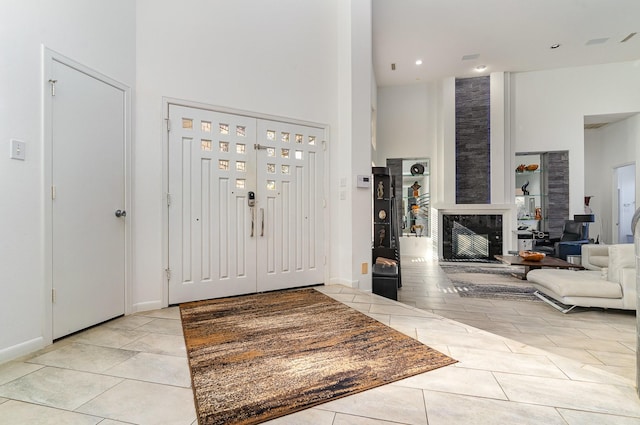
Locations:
18 150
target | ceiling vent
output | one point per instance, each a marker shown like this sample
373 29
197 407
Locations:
471 57
627 38
597 41
595 126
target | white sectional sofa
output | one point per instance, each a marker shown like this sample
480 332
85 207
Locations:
609 280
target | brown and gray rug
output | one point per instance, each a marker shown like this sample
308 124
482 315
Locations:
257 357
489 281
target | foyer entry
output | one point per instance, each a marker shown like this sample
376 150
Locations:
245 204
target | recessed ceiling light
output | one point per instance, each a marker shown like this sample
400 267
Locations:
480 68
419 62
555 46
597 41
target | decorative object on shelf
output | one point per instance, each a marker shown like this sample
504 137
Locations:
531 167
520 168
415 186
417 229
380 190
417 169
524 188
587 208
538 214
386 262
531 255
382 214
532 207
381 234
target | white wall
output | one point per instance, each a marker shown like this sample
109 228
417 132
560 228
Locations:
605 149
540 111
357 131
418 121
97 34
405 122
274 57
548 111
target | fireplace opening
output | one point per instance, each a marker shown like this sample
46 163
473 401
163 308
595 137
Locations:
471 237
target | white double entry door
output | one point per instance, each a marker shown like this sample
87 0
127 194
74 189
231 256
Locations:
245 204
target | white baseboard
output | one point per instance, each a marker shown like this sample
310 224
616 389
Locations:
344 282
146 306
21 349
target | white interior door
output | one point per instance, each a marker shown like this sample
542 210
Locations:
219 244
290 201
88 138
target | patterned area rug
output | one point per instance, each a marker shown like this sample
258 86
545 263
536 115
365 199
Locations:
257 357
487 281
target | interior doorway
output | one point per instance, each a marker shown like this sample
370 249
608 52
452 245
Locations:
625 201
86 161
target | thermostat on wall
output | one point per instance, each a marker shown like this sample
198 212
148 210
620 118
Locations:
364 181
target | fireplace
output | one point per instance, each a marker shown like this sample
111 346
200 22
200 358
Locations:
471 237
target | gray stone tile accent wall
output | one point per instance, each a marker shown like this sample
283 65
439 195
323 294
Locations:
473 160
556 186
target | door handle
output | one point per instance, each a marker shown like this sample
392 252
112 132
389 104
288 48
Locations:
262 221
121 213
252 220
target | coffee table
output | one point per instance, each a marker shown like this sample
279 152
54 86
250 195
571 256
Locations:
516 260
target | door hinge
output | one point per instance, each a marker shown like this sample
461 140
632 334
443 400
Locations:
168 124
52 83
168 272
324 260
53 295
168 199
324 203
324 145
258 146
53 192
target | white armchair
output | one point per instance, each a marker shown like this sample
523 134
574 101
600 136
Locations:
608 282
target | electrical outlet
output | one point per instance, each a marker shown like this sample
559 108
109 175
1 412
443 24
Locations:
18 150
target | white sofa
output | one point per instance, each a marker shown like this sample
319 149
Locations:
609 280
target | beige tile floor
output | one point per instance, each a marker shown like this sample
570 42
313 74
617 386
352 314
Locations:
133 370
602 338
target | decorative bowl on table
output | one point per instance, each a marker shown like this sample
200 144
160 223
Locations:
531 255
531 167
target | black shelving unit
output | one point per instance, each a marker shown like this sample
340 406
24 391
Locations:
386 228
382 208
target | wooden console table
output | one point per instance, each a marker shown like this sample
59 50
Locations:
516 260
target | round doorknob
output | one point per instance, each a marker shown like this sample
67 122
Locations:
121 213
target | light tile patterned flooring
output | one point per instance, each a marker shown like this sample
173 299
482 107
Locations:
134 370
